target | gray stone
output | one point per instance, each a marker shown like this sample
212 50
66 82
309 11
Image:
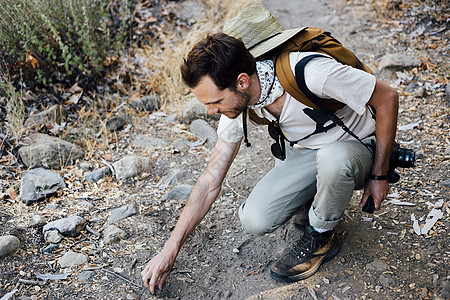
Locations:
386 280
145 141
85 166
85 204
147 103
71 226
113 234
204 131
180 145
72 259
398 61
55 114
420 92
445 290
8 245
179 192
38 221
38 184
171 119
116 123
53 236
131 166
98 174
445 183
50 248
122 213
171 178
194 109
49 152
85 275
188 10
377 265
447 151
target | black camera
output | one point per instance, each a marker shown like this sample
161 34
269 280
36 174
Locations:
400 158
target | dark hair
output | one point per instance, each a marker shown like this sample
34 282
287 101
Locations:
220 56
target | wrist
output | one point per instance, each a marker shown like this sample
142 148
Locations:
378 177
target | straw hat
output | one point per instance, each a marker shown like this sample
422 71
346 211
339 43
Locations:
258 29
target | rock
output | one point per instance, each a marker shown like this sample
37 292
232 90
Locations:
85 204
38 221
188 10
98 174
172 119
38 184
122 213
194 109
398 61
180 145
113 234
179 192
171 178
447 151
85 275
445 183
53 236
145 141
72 259
55 114
71 226
386 280
8 245
420 92
131 166
204 131
445 290
85 166
377 265
117 123
49 152
50 248
147 103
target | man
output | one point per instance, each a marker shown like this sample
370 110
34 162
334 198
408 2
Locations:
327 165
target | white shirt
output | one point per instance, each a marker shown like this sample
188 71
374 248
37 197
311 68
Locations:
326 78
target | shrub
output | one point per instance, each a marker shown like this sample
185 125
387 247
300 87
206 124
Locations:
59 40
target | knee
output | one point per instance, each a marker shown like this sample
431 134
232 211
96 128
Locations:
254 221
334 159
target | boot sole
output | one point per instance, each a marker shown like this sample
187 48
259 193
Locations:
294 278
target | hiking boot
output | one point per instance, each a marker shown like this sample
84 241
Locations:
305 257
301 218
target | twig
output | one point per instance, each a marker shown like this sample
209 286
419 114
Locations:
123 278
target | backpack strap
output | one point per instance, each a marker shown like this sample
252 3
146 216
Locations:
288 81
300 79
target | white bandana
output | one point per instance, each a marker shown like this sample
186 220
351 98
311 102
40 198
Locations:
271 88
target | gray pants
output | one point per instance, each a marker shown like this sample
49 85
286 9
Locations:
329 174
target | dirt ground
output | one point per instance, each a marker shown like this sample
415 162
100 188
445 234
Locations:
381 257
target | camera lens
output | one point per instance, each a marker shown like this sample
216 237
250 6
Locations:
406 158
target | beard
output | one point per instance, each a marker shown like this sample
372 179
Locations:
242 101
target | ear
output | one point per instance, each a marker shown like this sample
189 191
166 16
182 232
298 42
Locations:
243 81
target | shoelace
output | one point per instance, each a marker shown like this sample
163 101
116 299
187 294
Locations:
304 246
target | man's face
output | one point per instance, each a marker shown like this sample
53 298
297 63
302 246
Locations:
227 102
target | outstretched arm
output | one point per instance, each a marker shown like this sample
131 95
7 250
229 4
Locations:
202 197
385 101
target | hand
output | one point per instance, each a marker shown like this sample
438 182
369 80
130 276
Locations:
378 189
158 268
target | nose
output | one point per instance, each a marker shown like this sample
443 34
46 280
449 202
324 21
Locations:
212 110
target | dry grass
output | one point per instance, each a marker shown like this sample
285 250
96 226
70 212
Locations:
165 59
